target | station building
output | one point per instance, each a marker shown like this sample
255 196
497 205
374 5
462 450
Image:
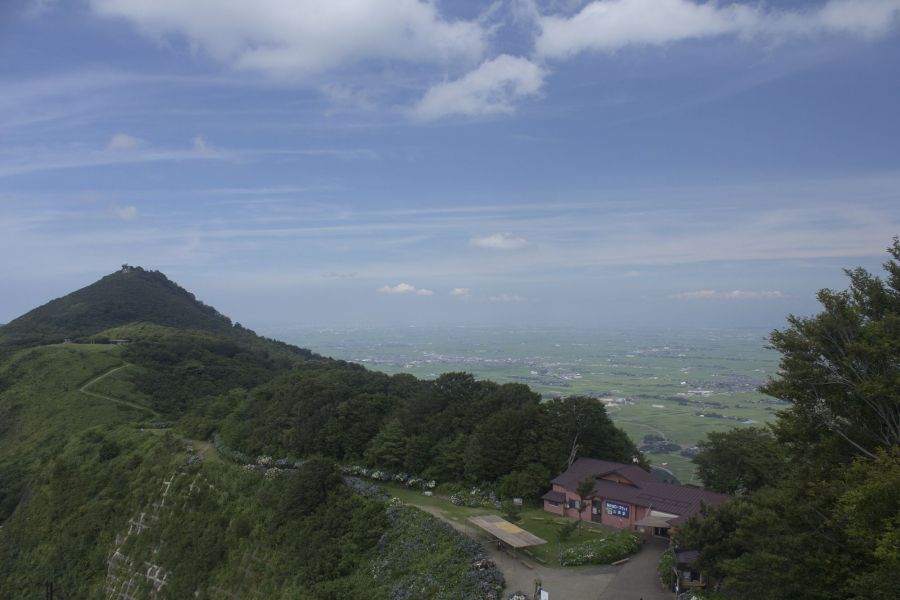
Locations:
626 497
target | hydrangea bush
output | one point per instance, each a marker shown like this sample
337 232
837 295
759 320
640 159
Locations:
422 557
228 453
410 481
474 497
611 547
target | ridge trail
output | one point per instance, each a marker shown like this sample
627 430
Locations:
84 390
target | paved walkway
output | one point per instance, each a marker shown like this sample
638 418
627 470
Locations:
638 578
633 580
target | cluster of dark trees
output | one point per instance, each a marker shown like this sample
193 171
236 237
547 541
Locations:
452 429
817 508
182 371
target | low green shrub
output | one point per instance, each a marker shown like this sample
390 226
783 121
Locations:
421 557
567 530
607 549
511 511
666 564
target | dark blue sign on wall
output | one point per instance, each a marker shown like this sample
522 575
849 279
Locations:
616 510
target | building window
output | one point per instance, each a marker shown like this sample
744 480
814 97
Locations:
575 504
552 503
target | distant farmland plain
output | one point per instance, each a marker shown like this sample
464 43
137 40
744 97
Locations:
677 385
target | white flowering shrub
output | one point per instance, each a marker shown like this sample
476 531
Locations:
608 549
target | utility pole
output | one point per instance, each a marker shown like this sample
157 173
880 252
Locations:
573 454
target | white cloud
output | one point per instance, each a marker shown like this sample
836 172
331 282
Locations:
123 141
405 288
461 292
126 213
492 88
865 18
500 241
296 38
507 298
608 25
200 146
732 295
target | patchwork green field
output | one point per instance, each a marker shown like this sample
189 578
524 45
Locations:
676 385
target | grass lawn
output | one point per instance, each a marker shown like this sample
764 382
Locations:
534 520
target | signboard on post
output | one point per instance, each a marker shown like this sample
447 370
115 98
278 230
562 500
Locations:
617 510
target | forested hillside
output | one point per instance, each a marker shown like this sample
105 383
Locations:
452 429
817 511
130 468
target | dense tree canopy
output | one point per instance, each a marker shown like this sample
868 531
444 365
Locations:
453 429
829 527
841 368
740 460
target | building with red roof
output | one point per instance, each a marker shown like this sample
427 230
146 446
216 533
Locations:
625 497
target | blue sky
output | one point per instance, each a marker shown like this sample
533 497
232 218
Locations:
590 163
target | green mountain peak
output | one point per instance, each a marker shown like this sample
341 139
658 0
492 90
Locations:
130 294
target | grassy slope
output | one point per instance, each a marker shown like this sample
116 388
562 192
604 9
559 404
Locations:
43 397
82 469
80 498
42 407
79 473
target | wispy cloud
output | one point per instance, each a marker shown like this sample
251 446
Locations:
729 295
201 146
339 153
500 241
679 226
123 141
281 190
507 298
405 288
461 292
126 213
33 9
119 151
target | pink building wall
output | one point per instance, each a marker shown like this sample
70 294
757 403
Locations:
557 510
635 513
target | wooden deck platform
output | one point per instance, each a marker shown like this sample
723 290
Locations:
510 534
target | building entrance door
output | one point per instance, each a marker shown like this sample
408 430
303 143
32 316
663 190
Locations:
596 508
